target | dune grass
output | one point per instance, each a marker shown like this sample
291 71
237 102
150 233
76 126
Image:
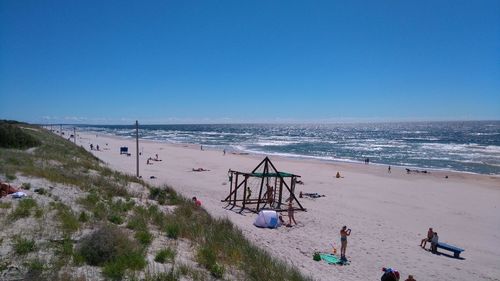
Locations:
22 246
219 245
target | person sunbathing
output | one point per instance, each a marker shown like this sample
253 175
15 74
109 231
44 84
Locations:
199 170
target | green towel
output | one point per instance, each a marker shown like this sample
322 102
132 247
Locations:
332 259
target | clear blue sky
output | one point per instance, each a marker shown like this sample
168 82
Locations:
249 61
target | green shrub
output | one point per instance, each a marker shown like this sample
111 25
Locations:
165 255
116 269
116 219
144 237
83 217
11 136
217 270
172 230
110 247
23 246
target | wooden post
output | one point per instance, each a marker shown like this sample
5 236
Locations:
264 173
281 194
74 135
235 189
244 193
137 145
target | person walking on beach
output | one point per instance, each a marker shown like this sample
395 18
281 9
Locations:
389 170
291 216
224 152
430 234
344 232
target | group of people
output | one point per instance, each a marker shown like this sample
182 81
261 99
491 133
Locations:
150 159
433 238
389 273
92 147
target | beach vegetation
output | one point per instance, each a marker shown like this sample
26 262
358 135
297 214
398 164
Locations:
68 220
115 218
111 248
5 205
35 268
23 246
165 255
119 247
163 276
23 209
13 136
144 237
83 217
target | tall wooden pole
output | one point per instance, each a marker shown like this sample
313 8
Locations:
137 145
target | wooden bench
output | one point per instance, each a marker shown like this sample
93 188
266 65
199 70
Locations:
456 251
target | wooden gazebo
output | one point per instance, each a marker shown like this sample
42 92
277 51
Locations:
263 188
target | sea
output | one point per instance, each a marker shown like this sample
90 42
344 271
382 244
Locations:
471 146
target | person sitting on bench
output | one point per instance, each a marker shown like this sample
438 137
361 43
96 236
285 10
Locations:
430 234
434 242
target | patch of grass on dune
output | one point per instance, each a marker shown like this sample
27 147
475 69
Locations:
23 209
222 245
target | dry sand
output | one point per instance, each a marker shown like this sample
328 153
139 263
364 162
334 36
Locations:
389 214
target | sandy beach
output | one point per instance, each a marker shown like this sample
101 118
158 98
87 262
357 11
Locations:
389 213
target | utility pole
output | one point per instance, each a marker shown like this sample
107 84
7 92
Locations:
137 145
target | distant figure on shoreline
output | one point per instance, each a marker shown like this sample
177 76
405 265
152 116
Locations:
201 147
389 169
338 175
224 151
91 147
97 146
344 232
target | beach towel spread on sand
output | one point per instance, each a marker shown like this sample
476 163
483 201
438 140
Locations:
332 259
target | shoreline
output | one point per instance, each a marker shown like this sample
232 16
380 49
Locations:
440 171
389 213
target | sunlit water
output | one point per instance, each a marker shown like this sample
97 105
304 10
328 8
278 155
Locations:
461 146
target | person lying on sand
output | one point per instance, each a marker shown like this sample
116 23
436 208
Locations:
199 170
311 195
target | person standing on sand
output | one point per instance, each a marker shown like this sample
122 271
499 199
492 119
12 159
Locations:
344 232
389 170
290 214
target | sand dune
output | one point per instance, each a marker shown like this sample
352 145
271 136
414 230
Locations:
389 213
